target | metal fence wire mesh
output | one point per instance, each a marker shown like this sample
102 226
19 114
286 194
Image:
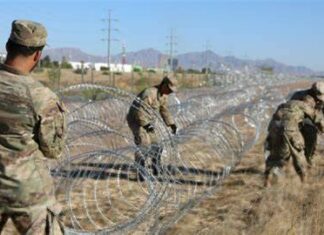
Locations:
97 178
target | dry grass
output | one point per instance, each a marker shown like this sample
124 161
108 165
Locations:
243 206
132 82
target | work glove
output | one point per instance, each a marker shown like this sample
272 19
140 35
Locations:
174 128
149 128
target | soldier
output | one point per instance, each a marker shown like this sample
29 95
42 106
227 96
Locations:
284 139
32 127
308 130
141 122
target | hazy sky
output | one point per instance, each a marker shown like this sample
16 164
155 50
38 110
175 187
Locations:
287 31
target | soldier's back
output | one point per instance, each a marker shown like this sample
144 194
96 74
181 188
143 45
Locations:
24 178
299 95
17 118
148 98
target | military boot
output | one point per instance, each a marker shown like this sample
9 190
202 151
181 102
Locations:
156 153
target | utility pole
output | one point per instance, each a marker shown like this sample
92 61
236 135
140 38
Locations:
123 59
207 49
82 71
207 63
108 38
92 68
171 43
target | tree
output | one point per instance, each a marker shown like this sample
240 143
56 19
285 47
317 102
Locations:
267 69
194 71
46 62
65 63
204 70
179 70
55 64
54 76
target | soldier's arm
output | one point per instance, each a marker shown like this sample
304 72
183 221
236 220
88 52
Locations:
319 120
51 123
307 109
165 113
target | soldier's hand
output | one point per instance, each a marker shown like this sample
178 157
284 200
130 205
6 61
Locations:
174 128
149 127
298 143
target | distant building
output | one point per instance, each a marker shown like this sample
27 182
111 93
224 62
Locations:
126 68
78 65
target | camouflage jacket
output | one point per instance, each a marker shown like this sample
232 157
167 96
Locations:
288 119
290 115
32 126
300 95
152 98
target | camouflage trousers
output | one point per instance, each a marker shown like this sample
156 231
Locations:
148 147
27 196
34 221
281 150
309 133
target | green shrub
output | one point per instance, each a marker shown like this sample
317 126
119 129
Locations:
104 68
194 71
137 69
46 62
66 65
54 76
151 71
56 64
92 94
79 71
38 70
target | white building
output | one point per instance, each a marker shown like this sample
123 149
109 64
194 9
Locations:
126 68
78 65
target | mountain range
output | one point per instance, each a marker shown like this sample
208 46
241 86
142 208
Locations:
194 60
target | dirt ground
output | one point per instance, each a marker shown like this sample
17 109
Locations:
244 206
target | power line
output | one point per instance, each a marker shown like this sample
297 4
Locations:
207 59
109 38
171 43
123 59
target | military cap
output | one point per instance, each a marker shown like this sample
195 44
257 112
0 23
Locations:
28 33
171 82
318 88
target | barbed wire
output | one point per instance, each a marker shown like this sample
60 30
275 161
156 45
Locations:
97 179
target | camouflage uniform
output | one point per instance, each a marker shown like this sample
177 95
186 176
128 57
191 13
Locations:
285 139
32 126
138 117
308 130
